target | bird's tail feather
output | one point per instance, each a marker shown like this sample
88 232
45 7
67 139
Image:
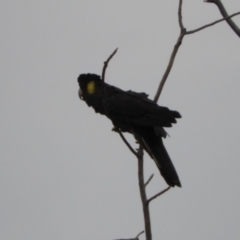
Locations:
159 154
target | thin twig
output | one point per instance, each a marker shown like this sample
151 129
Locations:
127 239
149 180
157 195
169 67
211 24
180 15
106 64
224 13
127 143
139 234
173 55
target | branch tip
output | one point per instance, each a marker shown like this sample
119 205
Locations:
180 16
139 234
106 64
157 195
149 180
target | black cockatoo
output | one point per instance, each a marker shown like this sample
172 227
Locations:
134 113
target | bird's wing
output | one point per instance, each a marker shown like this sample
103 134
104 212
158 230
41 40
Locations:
137 109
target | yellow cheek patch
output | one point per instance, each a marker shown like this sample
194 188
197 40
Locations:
91 87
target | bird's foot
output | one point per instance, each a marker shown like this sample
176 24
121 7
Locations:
115 129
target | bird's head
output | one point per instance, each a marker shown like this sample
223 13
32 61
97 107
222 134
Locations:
89 85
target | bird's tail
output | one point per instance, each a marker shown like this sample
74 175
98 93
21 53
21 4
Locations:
158 152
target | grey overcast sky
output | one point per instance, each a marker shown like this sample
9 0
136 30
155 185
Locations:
64 174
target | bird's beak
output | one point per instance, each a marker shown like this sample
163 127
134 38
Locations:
80 93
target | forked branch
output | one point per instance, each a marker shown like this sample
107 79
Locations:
184 32
224 13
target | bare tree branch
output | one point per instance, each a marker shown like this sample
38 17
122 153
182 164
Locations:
106 64
149 180
169 67
174 53
139 234
224 13
157 195
180 15
211 24
146 213
139 153
136 238
127 239
127 143
178 44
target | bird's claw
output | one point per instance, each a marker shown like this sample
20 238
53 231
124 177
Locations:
115 129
